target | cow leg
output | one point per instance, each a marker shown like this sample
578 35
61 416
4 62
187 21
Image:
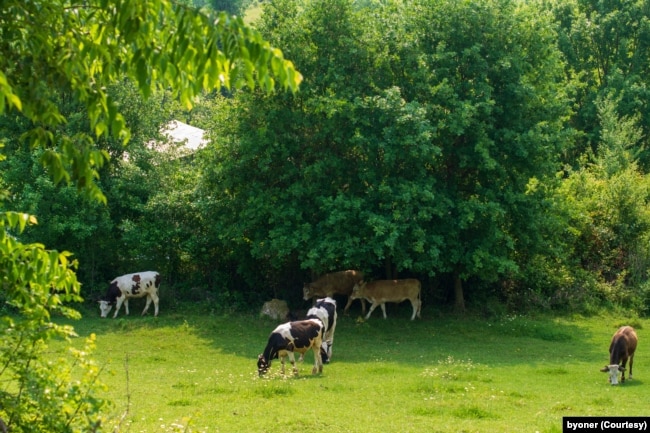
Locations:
329 339
118 305
347 306
623 370
292 359
155 298
631 363
383 309
415 304
318 361
282 365
146 305
372 308
363 305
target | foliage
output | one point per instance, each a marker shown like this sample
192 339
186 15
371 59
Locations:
610 213
52 46
606 45
39 394
411 149
59 110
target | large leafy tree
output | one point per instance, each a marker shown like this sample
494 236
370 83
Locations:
496 98
337 176
53 52
412 148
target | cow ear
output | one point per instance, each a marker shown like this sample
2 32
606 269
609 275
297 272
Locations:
604 369
620 368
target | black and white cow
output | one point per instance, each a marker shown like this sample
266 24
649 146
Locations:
136 285
621 349
325 311
290 337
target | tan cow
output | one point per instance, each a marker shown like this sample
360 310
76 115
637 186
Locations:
335 283
381 291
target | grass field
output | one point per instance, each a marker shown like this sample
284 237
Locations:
192 372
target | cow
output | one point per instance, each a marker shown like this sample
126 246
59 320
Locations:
381 291
335 283
129 286
325 311
621 349
276 309
290 337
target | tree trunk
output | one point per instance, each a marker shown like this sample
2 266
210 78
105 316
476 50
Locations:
459 304
388 268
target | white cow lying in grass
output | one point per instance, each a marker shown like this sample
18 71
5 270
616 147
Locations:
136 285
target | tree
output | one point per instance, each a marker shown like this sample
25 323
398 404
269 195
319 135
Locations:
57 49
606 45
411 148
52 46
496 99
333 178
610 216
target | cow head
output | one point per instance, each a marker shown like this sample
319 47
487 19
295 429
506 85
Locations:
104 308
357 289
307 292
613 372
262 365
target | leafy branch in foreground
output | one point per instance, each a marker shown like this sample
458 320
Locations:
59 47
38 393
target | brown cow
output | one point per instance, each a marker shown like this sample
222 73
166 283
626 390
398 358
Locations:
621 349
381 291
335 283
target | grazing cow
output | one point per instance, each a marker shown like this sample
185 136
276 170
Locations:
335 283
381 291
325 311
276 309
621 349
293 337
129 286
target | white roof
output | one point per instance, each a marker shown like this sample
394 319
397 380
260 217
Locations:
179 132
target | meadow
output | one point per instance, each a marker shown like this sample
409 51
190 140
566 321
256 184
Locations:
191 372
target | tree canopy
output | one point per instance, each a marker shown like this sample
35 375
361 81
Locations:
59 48
412 146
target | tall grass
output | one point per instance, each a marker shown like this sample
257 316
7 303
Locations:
197 373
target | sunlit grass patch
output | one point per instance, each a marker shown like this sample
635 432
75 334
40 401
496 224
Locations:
555 371
474 412
452 369
181 402
271 389
522 326
393 376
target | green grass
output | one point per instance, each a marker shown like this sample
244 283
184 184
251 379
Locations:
191 372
